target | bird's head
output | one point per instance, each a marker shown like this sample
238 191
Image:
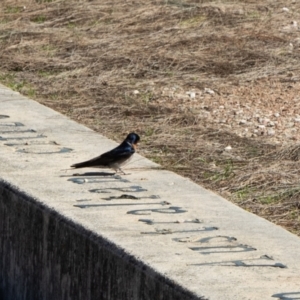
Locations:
133 139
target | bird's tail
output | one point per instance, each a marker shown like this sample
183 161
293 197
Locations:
81 165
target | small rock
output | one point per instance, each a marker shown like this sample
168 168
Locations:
242 122
237 11
297 120
212 165
271 124
192 94
292 27
290 125
136 92
285 9
277 115
208 91
179 221
228 148
271 132
261 126
260 120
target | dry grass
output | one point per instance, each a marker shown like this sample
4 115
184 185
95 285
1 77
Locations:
122 66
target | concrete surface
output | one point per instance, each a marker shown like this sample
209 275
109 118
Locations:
148 235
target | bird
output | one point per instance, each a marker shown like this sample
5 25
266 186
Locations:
114 158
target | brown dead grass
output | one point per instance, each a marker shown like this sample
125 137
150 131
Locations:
86 59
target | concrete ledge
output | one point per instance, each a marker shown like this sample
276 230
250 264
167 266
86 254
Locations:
47 256
148 235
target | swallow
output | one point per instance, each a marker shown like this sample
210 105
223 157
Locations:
114 158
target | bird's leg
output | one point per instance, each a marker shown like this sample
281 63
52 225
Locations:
118 169
121 171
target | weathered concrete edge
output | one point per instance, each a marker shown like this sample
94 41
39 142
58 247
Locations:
46 273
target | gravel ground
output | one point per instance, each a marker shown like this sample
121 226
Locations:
211 87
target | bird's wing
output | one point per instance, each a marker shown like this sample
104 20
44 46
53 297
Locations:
119 154
115 155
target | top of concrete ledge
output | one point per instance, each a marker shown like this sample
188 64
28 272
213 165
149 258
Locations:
190 235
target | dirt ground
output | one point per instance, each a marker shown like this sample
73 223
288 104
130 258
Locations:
212 87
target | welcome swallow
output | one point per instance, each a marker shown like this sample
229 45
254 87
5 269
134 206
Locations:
114 158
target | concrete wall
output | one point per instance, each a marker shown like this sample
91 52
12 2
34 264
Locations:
46 256
65 241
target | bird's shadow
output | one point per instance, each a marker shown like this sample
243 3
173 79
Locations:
287 296
94 174
104 174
